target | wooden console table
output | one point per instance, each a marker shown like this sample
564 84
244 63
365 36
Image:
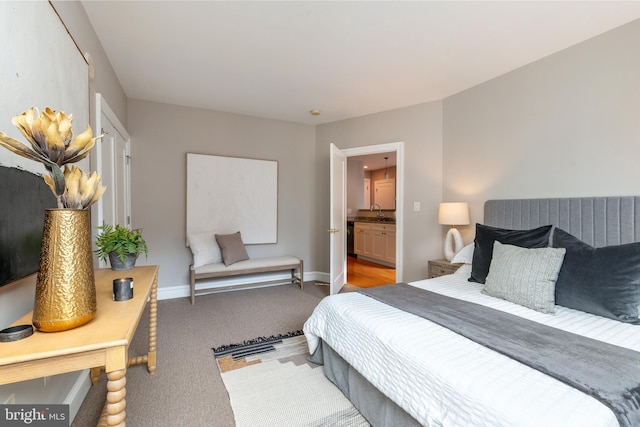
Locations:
101 343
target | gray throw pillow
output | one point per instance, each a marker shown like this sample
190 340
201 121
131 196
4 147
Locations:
603 281
232 248
525 276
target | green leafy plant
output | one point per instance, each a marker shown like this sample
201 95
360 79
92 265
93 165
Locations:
121 240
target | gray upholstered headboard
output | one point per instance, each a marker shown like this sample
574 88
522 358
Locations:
598 221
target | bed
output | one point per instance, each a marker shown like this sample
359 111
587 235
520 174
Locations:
400 369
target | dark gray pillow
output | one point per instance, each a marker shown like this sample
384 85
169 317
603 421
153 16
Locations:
603 281
485 236
232 248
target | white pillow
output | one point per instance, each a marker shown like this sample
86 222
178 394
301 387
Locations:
464 271
204 248
465 256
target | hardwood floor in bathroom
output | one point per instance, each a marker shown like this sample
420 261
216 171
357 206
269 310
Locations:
367 274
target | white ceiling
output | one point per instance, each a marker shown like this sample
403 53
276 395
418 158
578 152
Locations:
282 59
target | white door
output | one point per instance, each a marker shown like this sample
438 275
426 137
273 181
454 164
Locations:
121 181
385 193
106 204
338 220
111 159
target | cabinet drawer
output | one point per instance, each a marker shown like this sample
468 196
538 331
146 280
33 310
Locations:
383 227
441 268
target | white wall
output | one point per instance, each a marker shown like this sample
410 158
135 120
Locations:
420 127
17 299
163 134
564 126
105 80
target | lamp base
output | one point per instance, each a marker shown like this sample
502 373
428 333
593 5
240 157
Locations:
452 243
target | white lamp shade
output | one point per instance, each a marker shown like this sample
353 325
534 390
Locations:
456 213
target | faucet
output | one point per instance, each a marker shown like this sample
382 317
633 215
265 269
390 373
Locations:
379 214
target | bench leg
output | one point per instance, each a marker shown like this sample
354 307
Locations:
295 279
192 282
301 275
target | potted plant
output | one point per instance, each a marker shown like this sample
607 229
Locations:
121 245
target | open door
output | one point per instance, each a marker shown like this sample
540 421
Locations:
338 220
110 158
398 147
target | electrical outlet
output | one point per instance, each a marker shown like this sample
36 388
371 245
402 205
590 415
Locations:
11 400
416 206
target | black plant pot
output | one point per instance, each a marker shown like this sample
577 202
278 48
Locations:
117 264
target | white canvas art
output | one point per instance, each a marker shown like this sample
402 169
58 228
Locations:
41 67
229 194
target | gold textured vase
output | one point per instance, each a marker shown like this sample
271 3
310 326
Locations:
65 289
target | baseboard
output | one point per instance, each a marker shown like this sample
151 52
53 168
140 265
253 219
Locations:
377 261
184 291
77 393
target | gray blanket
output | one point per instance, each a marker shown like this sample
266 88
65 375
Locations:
606 372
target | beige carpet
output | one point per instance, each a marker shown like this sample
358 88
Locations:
271 384
187 389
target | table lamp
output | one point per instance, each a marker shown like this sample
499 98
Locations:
453 214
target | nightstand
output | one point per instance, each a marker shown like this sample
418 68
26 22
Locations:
441 267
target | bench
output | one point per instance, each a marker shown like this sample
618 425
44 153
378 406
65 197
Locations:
249 266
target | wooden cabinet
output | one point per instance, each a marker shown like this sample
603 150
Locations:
378 244
391 246
375 241
441 267
362 243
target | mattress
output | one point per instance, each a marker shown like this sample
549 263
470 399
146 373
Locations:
443 379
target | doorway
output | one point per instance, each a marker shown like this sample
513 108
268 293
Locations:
367 274
111 157
398 149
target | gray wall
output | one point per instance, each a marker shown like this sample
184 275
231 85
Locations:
163 134
355 186
420 127
566 125
15 300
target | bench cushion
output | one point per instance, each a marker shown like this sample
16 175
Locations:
248 264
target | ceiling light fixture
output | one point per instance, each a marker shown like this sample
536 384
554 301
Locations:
315 112
386 172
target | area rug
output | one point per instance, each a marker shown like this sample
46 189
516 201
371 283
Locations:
270 383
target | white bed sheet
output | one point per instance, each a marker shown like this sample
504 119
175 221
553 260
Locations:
443 379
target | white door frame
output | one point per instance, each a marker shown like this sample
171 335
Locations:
97 210
398 147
